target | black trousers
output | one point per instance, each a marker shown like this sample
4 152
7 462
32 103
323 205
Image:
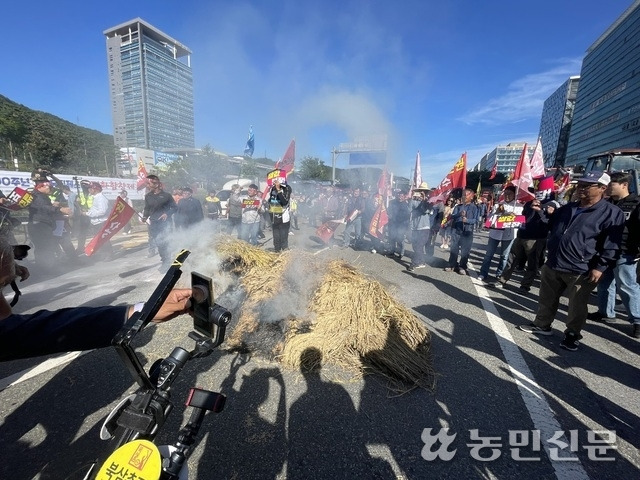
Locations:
280 236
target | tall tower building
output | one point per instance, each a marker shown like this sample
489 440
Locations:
151 86
555 124
607 111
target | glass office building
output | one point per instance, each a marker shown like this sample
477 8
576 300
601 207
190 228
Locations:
506 156
607 111
151 86
555 124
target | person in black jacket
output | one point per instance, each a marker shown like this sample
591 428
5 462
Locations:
529 244
584 240
622 278
189 210
68 329
159 207
463 222
355 208
399 215
43 215
279 198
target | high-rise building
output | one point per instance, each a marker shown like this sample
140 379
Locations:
506 156
151 87
607 111
555 124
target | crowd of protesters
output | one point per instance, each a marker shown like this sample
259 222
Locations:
590 240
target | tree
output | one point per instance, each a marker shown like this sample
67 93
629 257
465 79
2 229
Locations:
207 171
248 168
483 177
312 168
41 139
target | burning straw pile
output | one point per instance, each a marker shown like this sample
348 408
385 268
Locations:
351 319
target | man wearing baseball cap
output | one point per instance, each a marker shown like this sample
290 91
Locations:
43 215
584 240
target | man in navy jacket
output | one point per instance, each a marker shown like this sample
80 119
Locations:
584 240
69 329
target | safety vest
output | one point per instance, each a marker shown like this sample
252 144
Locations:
85 201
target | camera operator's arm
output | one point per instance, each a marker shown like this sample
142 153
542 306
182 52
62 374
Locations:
71 329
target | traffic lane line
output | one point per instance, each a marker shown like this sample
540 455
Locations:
39 369
532 394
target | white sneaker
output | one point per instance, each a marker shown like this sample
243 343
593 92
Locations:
290 233
481 278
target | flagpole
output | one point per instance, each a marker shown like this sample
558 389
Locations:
333 167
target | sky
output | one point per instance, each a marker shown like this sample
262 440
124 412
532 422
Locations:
437 77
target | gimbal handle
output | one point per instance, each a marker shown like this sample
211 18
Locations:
139 320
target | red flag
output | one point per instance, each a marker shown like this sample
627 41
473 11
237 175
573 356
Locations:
537 162
522 164
142 175
380 218
459 172
324 233
456 178
382 183
561 184
417 173
494 171
522 178
545 188
289 158
18 199
118 218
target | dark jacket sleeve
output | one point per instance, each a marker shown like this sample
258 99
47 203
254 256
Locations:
609 244
283 195
65 330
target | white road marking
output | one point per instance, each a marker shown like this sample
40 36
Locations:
28 373
532 395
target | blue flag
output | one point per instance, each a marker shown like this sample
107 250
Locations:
248 150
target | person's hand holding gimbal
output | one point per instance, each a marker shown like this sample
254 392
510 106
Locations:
176 304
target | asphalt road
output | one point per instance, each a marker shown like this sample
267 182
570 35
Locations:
496 386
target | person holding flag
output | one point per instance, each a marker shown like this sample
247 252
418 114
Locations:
278 201
98 214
